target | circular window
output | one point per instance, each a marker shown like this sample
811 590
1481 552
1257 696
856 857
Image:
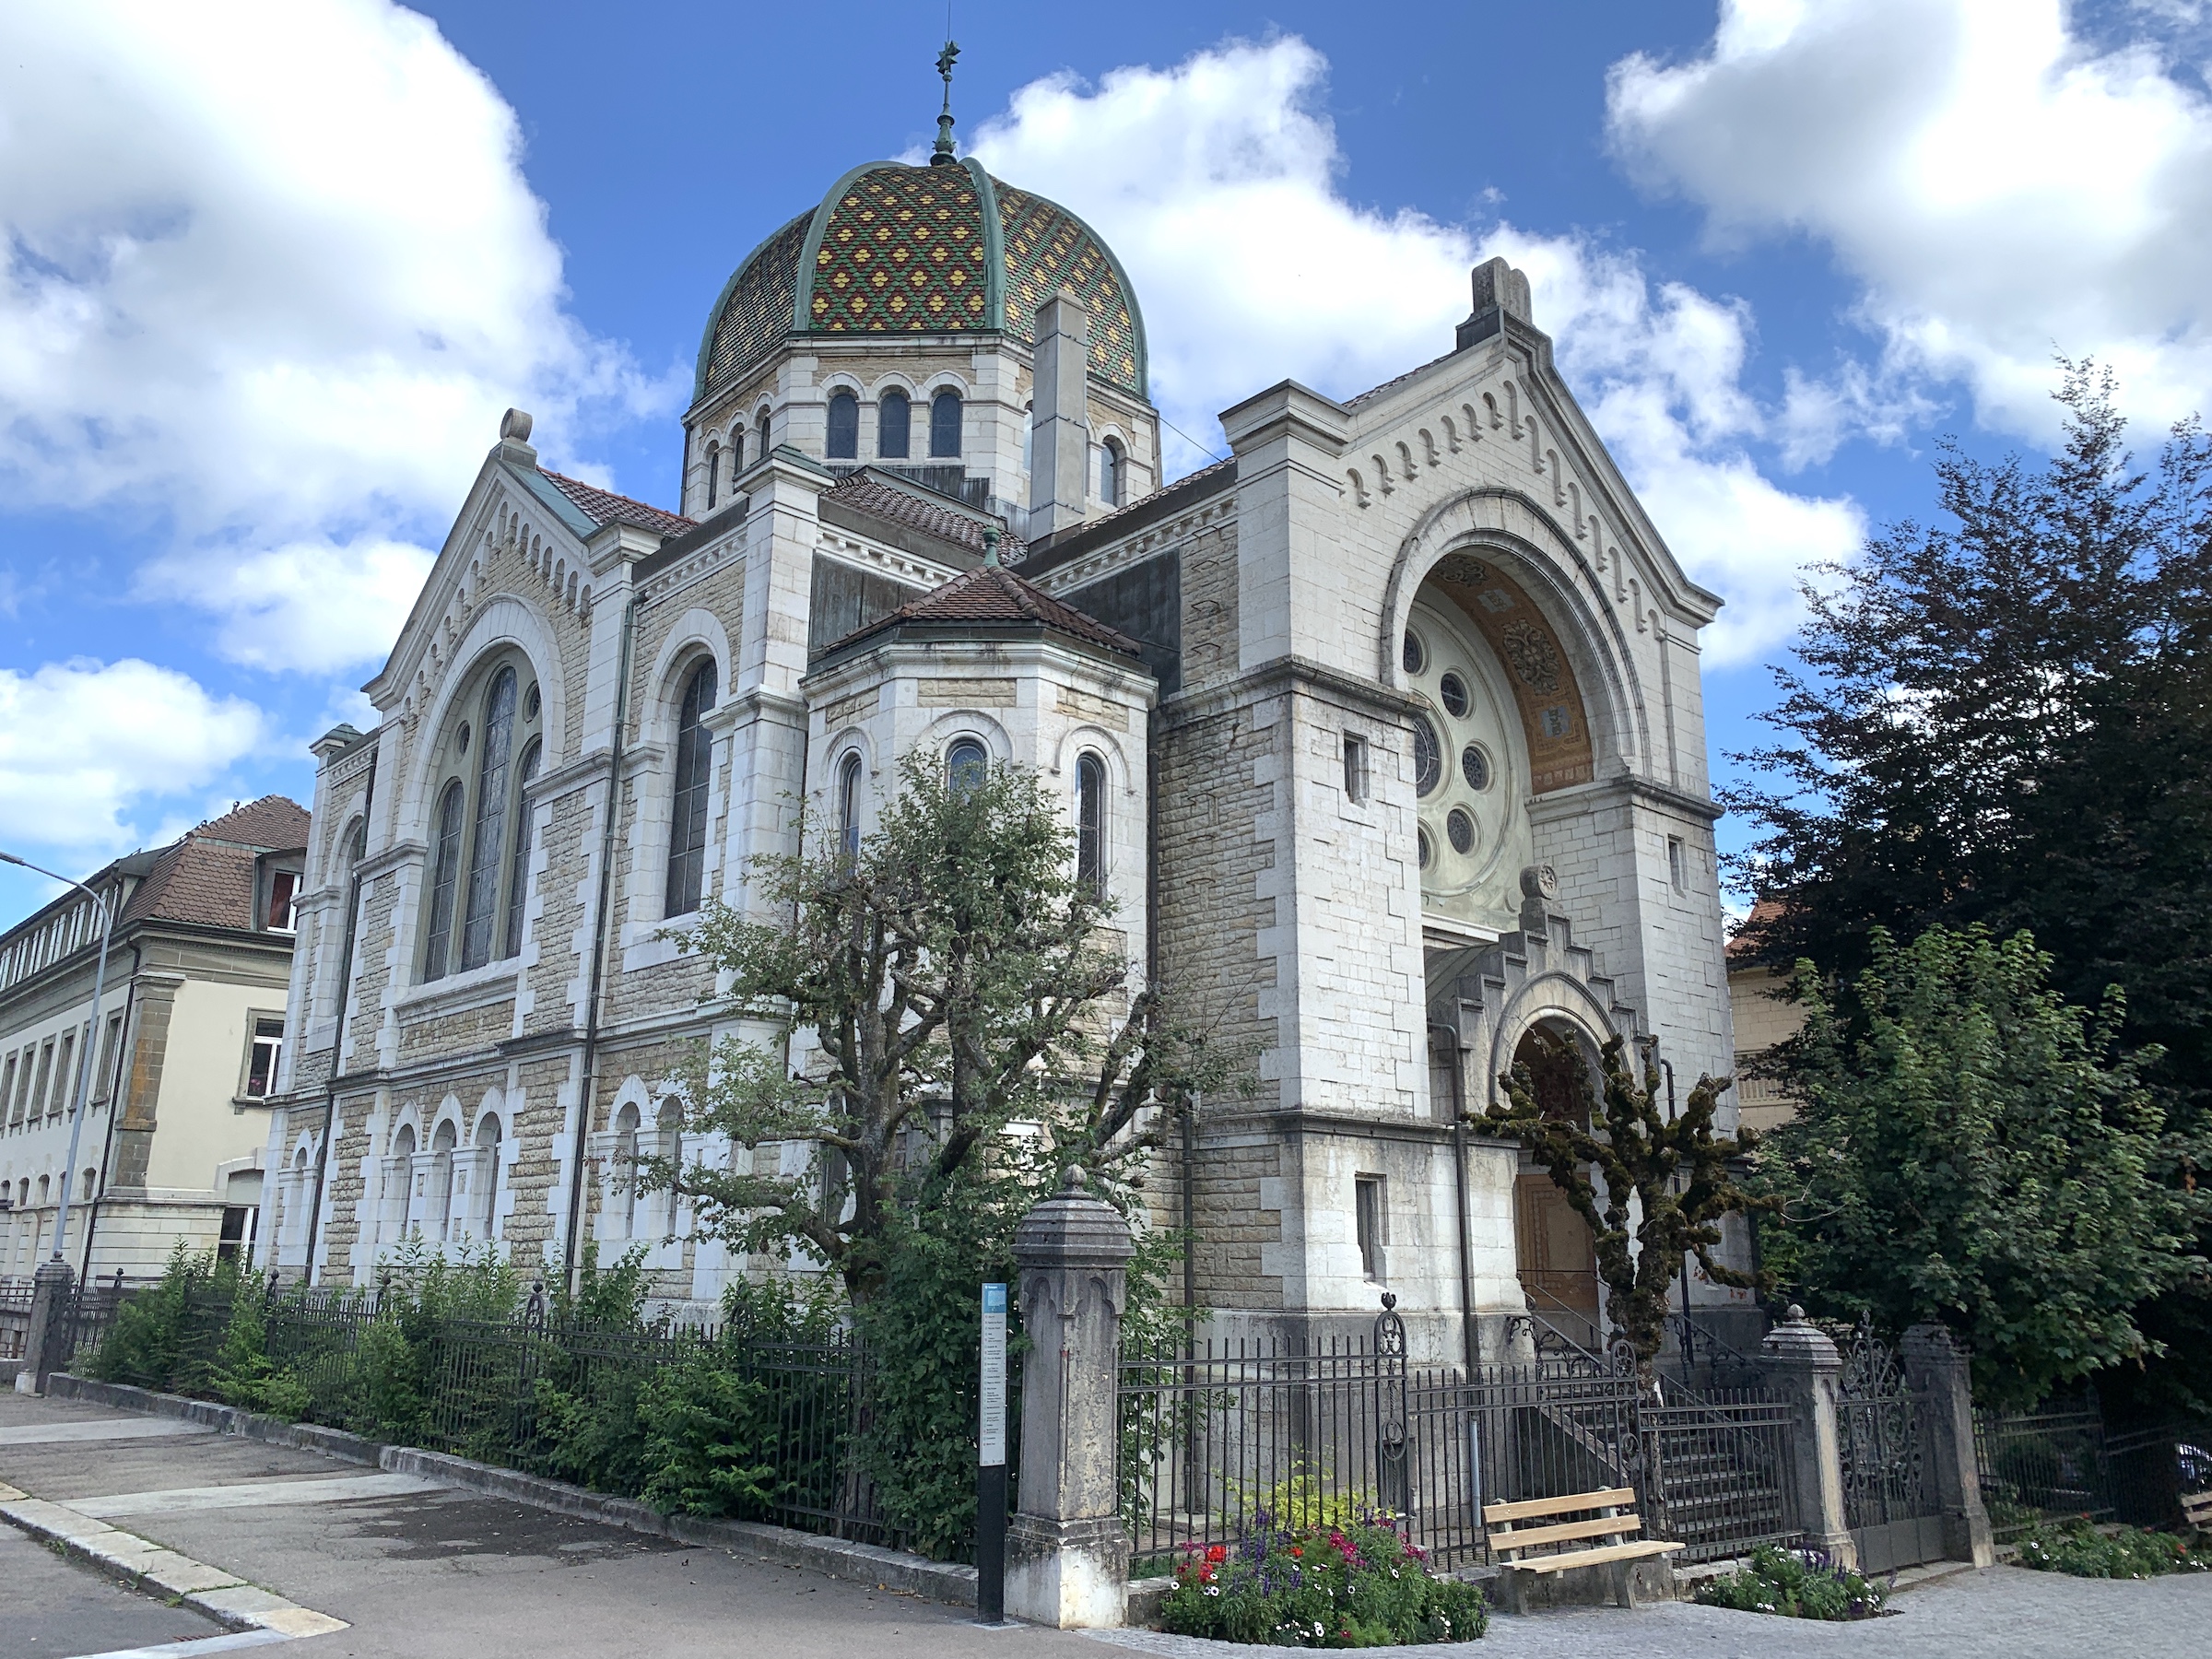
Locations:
1460 827
1427 850
461 738
1415 658
1453 690
1475 766
1428 756
531 704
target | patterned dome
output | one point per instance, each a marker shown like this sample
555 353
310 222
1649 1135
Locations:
925 250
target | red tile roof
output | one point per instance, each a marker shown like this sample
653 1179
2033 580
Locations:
992 594
1745 940
208 877
605 507
918 512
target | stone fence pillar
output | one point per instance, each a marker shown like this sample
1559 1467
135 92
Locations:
1935 1370
1067 1557
1802 1366
43 1347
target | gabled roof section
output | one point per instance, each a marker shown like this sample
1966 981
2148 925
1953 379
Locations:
917 507
992 597
208 878
1088 533
602 507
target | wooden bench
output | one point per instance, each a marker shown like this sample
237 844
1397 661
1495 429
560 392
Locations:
2196 1510
1571 1532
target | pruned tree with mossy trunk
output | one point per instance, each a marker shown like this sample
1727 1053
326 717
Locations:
954 1018
1653 1186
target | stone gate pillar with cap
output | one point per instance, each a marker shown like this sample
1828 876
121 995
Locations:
1802 1368
1935 1369
1067 1557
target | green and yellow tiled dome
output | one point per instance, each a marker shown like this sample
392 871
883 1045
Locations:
923 249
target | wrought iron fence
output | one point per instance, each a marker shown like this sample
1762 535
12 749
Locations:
2047 1464
2148 1470
1719 1475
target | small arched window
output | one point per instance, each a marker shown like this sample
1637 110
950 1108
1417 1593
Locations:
687 813
445 875
760 436
487 1214
967 764
944 423
844 427
713 472
736 453
894 421
626 1167
490 841
518 881
1090 824
847 806
1112 464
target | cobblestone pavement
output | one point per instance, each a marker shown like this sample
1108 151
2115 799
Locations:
2004 1613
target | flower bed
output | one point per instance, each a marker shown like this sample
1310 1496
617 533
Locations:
1359 1585
1796 1584
2119 1552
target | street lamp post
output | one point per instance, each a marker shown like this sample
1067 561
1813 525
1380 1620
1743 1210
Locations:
85 1060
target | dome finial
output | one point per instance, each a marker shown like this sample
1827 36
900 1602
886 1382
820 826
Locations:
941 155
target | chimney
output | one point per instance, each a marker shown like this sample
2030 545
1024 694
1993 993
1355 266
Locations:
1060 417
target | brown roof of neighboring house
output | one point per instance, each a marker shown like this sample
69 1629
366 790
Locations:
1745 942
208 876
992 594
605 507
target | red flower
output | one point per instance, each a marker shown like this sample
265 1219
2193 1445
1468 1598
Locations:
1219 1552
1296 1550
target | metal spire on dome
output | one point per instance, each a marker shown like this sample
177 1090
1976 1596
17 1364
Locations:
941 155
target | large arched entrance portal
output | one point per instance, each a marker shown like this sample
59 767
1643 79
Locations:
1554 1256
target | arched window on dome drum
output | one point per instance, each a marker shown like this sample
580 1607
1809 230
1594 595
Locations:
713 472
480 920
848 808
967 764
894 422
445 874
944 423
687 813
761 437
844 427
518 881
1090 824
1112 463
736 453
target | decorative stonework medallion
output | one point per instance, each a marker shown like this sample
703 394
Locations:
1535 658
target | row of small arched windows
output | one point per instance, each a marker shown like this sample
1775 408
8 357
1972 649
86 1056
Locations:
894 426
967 765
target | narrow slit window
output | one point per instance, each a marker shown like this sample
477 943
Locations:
1369 1216
1112 463
713 473
1090 824
445 873
1678 864
1354 768
518 881
688 816
848 808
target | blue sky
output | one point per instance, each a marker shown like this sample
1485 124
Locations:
275 268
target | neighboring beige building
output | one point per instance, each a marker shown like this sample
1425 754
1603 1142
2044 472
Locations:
1762 1020
1386 734
191 1027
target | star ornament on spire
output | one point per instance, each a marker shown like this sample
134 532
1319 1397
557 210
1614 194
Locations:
941 154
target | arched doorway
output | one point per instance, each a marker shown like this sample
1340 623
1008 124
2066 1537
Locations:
1555 1257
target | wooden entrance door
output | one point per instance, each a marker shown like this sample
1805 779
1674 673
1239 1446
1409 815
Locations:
1556 1259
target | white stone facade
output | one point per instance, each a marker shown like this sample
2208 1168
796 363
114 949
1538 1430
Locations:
1395 656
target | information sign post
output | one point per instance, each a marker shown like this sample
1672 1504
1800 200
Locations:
991 1461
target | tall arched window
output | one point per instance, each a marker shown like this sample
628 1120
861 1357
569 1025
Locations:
445 875
737 452
1090 823
518 879
894 421
760 436
488 1138
688 810
967 764
488 845
625 1171
944 423
1112 466
844 427
713 472
847 806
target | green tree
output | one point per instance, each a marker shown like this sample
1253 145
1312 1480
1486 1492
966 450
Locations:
947 1000
1979 1154
1653 1189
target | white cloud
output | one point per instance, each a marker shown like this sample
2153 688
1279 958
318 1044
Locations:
82 742
1215 181
313 607
273 270
2001 189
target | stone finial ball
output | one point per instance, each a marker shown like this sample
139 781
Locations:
1793 1314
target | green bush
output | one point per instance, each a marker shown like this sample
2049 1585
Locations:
166 1337
1796 1584
1320 1586
2116 1552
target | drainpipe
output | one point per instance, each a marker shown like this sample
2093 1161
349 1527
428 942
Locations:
1452 1045
107 1144
337 1041
589 1087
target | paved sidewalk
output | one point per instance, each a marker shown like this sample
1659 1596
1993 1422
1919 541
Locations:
421 1570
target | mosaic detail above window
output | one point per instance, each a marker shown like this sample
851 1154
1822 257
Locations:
758 314
1047 249
903 249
